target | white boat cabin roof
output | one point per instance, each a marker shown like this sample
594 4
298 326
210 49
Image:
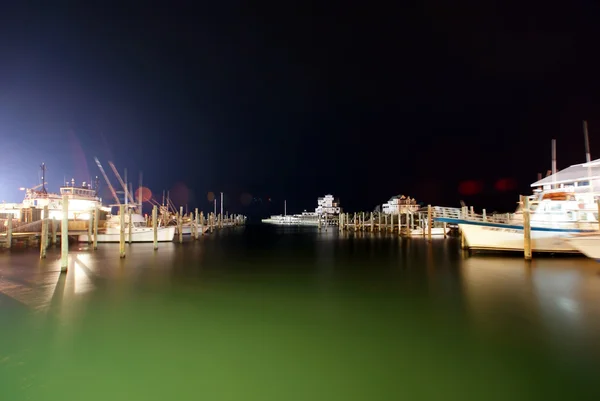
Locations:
572 174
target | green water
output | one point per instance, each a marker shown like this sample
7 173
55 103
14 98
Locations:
285 314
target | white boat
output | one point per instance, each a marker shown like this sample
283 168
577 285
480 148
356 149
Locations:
588 244
327 208
140 232
435 231
282 220
565 204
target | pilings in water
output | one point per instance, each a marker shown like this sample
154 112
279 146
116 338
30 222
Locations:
44 236
9 228
155 226
96 218
526 228
122 231
180 224
64 235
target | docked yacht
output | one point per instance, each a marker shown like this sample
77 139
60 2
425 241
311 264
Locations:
564 205
140 232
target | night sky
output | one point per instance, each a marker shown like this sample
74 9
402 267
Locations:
284 101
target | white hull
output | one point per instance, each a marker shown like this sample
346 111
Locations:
494 238
435 232
588 244
145 234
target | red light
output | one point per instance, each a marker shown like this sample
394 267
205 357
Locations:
505 184
470 187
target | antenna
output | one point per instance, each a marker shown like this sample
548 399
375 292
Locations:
112 190
43 167
588 157
140 192
554 163
123 183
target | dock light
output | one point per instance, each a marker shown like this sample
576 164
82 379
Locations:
22 189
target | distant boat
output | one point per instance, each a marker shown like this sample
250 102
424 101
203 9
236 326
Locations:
326 212
140 232
435 231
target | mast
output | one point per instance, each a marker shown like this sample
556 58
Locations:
554 163
588 156
112 190
128 195
285 207
43 167
140 192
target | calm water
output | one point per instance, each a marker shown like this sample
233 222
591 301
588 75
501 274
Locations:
267 313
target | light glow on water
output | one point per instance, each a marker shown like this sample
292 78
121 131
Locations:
285 314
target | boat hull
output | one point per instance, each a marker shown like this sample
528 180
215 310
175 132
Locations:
435 232
164 234
589 245
511 238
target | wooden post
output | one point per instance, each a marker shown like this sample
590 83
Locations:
526 228
122 231
202 223
129 226
445 228
463 241
44 236
472 212
90 222
96 218
429 222
196 223
180 224
155 226
64 235
379 223
53 230
9 231
484 218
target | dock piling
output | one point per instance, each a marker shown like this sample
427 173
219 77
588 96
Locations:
53 221
429 222
96 218
9 231
155 226
180 224
90 222
44 236
526 228
122 231
64 235
129 227
196 223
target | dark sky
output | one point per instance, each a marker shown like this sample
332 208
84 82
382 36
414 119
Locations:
287 101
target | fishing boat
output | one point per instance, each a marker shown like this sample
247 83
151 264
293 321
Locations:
564 205
140 232
588 244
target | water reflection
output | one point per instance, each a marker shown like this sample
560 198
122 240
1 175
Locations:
554 300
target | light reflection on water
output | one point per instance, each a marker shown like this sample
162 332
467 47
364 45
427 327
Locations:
287 313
